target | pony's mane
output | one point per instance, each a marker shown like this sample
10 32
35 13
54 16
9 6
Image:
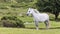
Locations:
36 10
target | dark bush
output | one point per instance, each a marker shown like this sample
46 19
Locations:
16 6
11 21
20 1
3 7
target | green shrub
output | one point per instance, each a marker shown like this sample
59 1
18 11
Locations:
11 21
15 6
4 7
19 1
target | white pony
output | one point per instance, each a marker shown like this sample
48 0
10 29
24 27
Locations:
39 17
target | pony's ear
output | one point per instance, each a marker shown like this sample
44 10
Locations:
29 8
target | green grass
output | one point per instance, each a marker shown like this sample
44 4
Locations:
27 31
30 29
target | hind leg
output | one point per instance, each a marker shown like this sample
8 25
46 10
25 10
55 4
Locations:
47 24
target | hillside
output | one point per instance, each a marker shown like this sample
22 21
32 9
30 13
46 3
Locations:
18 8
14 6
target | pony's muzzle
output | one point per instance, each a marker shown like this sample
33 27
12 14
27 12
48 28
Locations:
27 14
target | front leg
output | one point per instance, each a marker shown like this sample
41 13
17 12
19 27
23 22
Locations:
36 24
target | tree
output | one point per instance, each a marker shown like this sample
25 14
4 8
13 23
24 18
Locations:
51 6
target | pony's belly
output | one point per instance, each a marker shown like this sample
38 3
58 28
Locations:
40 19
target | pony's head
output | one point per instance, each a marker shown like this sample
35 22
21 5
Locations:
29 11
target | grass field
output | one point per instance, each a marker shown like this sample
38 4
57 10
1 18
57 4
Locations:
30 29
15 9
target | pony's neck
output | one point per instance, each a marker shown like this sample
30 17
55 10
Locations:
36 11
33 13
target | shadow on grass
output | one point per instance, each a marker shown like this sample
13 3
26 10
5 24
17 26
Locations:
55 28
44 28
